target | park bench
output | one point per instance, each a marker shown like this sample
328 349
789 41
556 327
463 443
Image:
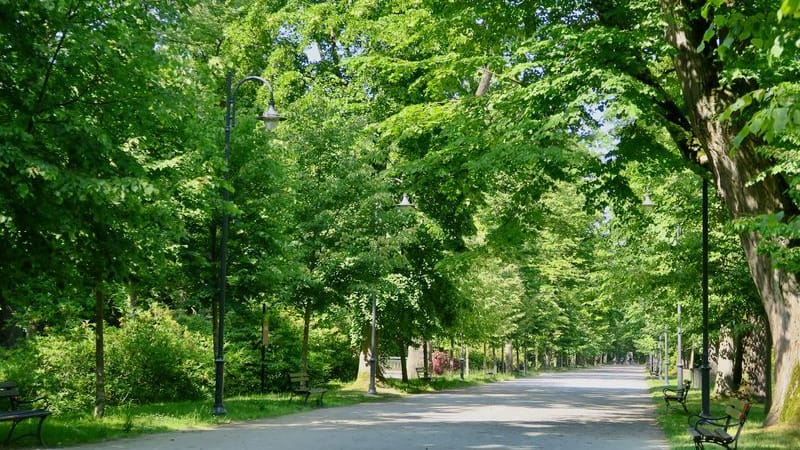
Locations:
423 374
723 431
19 410
677 394
300 387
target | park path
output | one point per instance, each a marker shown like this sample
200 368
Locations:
600 409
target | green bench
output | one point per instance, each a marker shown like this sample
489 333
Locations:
19 410
300 387
723 431
677 394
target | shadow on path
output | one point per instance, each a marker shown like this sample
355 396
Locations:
600 408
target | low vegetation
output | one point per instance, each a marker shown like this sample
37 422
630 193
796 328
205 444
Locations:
755 436
74 428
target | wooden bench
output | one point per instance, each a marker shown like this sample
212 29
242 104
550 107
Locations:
677 394
423 374
20 410
723 431
299 382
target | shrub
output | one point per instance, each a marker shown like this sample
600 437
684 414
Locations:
150 358
153 358
441 362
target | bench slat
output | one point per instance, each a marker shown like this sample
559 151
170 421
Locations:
717 430
299 381
9 390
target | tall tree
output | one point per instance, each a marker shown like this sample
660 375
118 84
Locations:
741 173
88 126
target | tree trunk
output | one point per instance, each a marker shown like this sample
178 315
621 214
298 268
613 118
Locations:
426 357
363 357
403 368
738 360
734 172
757 354
306 329
212 258
726 354
486 80
508 357
99 352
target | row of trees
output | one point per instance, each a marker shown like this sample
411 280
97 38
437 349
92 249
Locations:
526 135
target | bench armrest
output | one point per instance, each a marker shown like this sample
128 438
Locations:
42 399
697 420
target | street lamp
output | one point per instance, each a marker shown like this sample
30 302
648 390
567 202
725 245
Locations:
705 384
705 369
463 354
271 118
666 357
404 203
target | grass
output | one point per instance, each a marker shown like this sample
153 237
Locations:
69 429
754 436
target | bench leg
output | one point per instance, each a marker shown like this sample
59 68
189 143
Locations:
305 399
10 432
14 423
39 430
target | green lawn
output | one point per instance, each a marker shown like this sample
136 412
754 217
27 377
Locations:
754 436
70 429
73 429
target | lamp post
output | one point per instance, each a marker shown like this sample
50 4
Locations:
679 359
705 369
680 350
463 351
271 118
666 357
404 203
705 385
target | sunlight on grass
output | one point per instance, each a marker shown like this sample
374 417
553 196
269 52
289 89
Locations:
69 429
754 436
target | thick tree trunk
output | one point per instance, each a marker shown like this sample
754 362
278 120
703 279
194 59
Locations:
508 357
726 355
733 173
757 354
403 368
99 352
426 358
306 329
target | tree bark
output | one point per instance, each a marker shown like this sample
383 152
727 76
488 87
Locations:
733 172
726 355
99 352
486 80
306 329
403 368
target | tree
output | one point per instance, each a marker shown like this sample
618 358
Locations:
89 133
741 173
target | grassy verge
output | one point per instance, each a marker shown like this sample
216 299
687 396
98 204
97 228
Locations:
754 436
69 429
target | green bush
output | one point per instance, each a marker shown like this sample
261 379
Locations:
149 358
153 358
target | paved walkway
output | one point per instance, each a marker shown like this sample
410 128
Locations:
600 409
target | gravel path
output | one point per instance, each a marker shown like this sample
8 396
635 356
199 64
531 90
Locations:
600 409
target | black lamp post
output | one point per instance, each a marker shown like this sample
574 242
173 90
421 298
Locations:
705 377
705 369
463 352
404 203
271 118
